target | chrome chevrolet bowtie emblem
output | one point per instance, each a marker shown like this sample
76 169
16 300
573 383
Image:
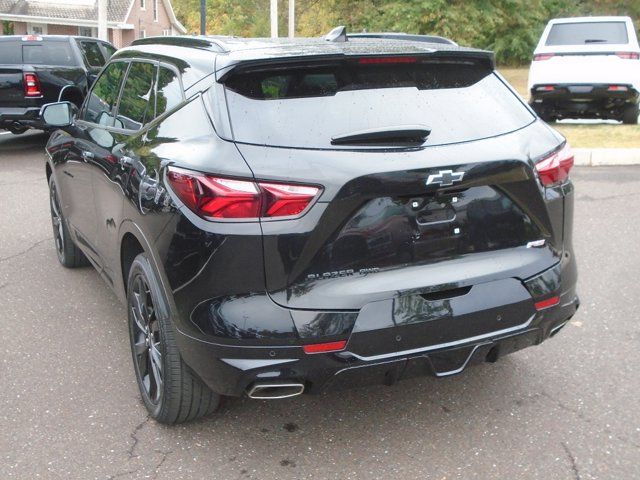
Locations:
445 178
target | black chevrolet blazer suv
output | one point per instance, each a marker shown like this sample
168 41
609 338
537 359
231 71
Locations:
285 216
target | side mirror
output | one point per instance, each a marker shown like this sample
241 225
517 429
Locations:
59 114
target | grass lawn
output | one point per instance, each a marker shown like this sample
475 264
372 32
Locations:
587 135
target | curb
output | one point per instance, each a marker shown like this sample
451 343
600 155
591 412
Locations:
606 156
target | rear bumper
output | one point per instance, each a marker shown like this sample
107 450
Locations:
232 369
28 117
585 100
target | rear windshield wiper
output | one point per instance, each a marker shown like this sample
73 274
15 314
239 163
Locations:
594 40
398 135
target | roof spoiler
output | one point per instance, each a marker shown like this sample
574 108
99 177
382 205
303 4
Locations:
257 65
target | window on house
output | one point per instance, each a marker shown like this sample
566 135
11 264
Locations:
143 4
155 10
143 33
86 32
166 33
36 29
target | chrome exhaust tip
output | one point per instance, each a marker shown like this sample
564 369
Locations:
274 391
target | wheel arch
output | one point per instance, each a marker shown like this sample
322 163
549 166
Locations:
132 243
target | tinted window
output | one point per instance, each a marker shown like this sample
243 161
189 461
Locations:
329 80
169 90
10 53
92 53
108 50
48 53
102 100
137 100
457 102
588 33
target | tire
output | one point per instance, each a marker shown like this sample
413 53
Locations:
69 255
630 115
170 391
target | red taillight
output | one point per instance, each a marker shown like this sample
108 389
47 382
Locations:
549 302
215 197
386 60
31 85
545 88
629 55
617 88
325 347
555 168
542 56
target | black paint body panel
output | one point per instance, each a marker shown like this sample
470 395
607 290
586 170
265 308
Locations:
376 261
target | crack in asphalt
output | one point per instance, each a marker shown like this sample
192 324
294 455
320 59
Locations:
122 474
572 460
162 460
134 436
588 420
27 250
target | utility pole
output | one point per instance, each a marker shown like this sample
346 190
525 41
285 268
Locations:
292 18
102 20
274 18
203 17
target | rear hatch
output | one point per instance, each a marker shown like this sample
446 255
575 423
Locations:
589 52
426 175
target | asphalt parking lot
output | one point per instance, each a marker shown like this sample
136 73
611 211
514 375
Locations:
69 407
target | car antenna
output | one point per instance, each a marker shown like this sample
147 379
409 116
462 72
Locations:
338 34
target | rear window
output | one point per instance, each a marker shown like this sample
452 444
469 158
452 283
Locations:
306 107
48 53
597 33
10 53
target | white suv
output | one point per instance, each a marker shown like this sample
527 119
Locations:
586 67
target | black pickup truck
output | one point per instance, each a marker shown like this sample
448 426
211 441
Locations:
40 69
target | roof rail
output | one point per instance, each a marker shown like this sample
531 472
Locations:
404 36
184 41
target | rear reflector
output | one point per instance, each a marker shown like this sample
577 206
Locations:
545 88
617 88
325 347
555 168
386 60
31 85
549 302
628 55
542 56
214 197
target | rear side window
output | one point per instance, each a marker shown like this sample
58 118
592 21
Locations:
48 53
305 108
101 103
108 50
169 92
92 53
10 53
597 33
137 101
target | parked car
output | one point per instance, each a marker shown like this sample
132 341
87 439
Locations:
40 69
586 67
285 216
